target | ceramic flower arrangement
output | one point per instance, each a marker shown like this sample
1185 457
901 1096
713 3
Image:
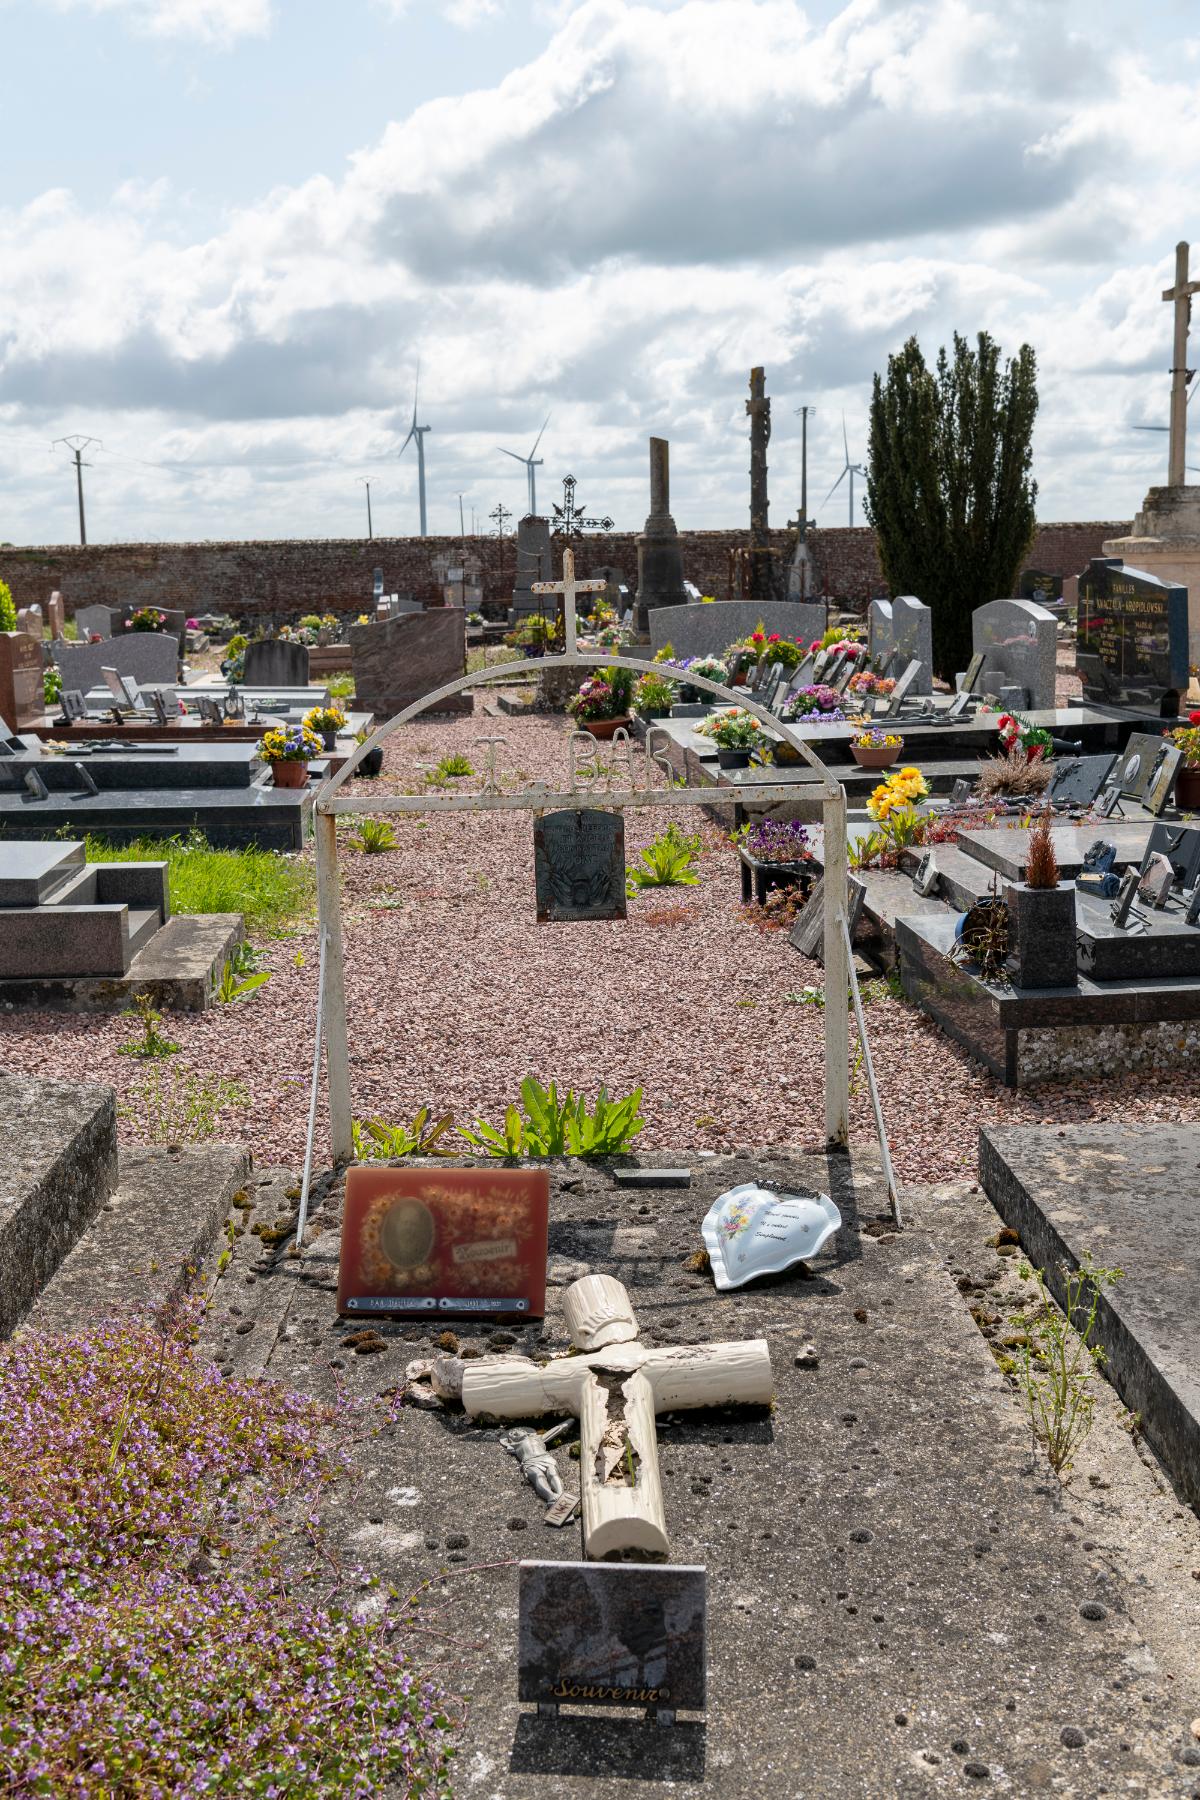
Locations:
815 699
900 791
865 682
769 646
708 668
146 618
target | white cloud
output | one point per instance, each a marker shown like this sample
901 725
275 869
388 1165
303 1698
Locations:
464 13
216 22
614 233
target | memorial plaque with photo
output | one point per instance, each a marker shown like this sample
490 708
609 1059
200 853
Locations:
450 1243
579 865
1160 783
612 1634
1134 764
1181 845
1132 640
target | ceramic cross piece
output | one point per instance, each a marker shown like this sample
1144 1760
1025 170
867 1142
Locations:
616 1389
568 587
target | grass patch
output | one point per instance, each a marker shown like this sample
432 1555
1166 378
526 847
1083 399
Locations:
271 891
341 687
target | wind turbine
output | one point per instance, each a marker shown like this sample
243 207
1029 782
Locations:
418 432
532 463
850 469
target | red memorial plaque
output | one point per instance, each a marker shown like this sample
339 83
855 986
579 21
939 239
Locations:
447 1243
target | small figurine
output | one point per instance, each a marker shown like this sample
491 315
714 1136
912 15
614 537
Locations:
537 1465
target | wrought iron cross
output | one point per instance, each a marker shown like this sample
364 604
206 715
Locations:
501 516
568 518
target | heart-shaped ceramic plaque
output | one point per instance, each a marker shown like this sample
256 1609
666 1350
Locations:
752 1231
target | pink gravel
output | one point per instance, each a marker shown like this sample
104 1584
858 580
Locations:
456 993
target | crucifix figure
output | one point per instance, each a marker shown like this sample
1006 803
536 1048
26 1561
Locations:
568 587
616 1389
1181 375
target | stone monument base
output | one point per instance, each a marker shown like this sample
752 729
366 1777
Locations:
1165 541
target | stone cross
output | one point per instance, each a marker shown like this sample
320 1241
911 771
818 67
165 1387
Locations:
1181 375
616 1389
568 587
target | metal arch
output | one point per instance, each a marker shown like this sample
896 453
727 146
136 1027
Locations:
332 996
830 789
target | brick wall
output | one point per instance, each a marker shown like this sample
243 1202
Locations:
286 577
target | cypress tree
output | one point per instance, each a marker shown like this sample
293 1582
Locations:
949 490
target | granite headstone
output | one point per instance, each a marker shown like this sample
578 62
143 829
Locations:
1019 643
397 661
22 692
906 625
94 621
275 663
147 656
535 562
708 629
1132 643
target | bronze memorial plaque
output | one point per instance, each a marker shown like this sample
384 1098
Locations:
579 865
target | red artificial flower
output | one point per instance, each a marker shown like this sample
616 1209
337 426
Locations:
774 638
814 646
1194 718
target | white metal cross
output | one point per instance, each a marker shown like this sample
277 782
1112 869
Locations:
568 587
1181 375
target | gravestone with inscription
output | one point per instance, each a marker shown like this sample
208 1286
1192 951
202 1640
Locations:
22 697
579 865
905 625
1019 644
275 663
94 621
1132 644
148 657
535 562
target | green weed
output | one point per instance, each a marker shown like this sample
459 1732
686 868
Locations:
373 837
177 1107
666 863
1056 1359
269 890
152 1045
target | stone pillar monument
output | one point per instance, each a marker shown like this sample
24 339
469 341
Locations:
534 563
764 583
660 560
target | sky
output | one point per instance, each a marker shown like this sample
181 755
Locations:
231 230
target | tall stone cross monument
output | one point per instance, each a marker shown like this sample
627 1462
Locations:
660 561
763 574
1181 297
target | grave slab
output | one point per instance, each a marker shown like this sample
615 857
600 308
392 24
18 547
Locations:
1124 1194
179 968
1019 642
269 818
893 1599
58 1166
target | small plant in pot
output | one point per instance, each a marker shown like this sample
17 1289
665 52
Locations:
535 635
325 722
289 750
874 749
1187 782
372 763
654 696
1041 918
737 734
708 668
602 703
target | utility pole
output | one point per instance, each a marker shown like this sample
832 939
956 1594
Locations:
804 412
367 485
77 445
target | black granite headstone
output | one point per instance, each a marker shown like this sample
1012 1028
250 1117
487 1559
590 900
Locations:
1181 845
1132 644
612 1634
1079 779
579 865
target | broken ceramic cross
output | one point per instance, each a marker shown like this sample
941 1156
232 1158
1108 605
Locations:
616 1389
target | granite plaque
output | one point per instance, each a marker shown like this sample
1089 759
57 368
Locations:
902 688
1123 904
612 1634
1079 779
146 656
1156 880
1132 643
73 703
970 680
447 1243
1160 783
274 662
1181 845
1036 584
579 865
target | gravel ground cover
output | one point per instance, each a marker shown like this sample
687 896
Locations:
456 993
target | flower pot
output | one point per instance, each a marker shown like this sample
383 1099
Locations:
1187 789
733 759
880 757
329 739
289 774
654 712
1041 936
532 649
604 728
372 762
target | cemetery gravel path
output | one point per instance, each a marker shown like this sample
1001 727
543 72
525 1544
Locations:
456 993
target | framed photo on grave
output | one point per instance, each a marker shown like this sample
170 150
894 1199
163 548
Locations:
1160 783
579 865
1135 763
612 1634
444 1243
